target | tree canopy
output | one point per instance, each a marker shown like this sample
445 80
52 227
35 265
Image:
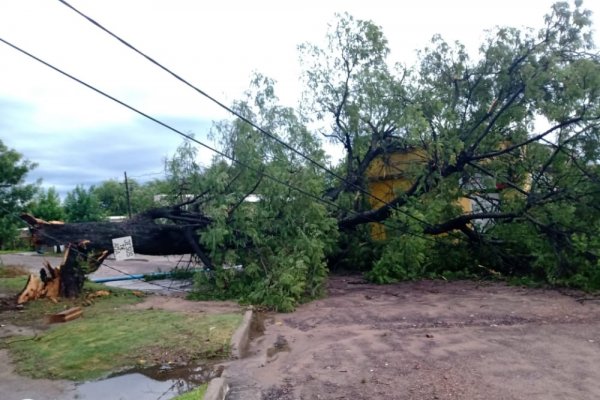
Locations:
511 130
14 192
489 162
46 205
83 205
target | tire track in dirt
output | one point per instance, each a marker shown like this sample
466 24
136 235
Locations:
426 340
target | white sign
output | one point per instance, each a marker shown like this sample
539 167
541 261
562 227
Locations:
123 248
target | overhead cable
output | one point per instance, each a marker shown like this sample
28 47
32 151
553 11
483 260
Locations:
240 116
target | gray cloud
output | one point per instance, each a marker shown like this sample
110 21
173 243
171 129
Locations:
94 155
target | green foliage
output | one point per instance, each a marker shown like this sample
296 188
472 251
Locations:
282 239
183 174
513 129
46 205
462 112
14 193
402 259
112 196
82 205
355 251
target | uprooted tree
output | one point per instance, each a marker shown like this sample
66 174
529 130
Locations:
178 234
67 279
513 131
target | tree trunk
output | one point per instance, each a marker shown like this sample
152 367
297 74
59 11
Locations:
178 236
65 280
89 243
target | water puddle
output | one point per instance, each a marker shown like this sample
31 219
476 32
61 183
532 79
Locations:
152 383
281 344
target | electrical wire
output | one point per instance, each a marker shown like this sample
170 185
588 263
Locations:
146 174
193 139
240 116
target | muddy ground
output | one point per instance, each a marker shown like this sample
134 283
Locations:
417 340
426 340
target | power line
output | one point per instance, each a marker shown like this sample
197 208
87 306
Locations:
147 174
239 115
165 125
191 138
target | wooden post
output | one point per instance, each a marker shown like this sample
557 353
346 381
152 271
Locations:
127 193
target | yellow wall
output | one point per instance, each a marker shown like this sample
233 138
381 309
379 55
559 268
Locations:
389 174
386 176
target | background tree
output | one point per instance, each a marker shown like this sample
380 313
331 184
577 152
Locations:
46 205
14 193
113 198
82 205
183 173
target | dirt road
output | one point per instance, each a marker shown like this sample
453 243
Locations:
426 340
418 340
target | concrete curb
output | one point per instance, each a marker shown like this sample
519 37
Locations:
241 337
216 390
218 387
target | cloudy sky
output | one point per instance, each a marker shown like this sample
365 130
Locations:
79 137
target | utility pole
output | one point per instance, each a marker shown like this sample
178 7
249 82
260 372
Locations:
127 193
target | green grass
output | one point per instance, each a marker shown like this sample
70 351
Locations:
94 345
13 285
14 251
34 312
12 278
108 337
11 271
196 394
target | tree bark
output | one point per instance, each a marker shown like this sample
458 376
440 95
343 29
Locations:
159 231
65 280
176 236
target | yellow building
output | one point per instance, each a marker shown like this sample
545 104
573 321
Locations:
394 173
389 174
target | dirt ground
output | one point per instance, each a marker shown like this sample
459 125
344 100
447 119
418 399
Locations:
426 340
416 340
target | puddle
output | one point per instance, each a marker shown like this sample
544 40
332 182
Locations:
281 344
152 383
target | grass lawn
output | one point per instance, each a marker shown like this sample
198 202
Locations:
12 279
93 346
109 337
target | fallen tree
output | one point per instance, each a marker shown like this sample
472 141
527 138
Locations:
159 231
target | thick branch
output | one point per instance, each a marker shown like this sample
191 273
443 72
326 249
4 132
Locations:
462 221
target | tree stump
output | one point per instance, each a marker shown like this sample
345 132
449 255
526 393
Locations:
67 279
